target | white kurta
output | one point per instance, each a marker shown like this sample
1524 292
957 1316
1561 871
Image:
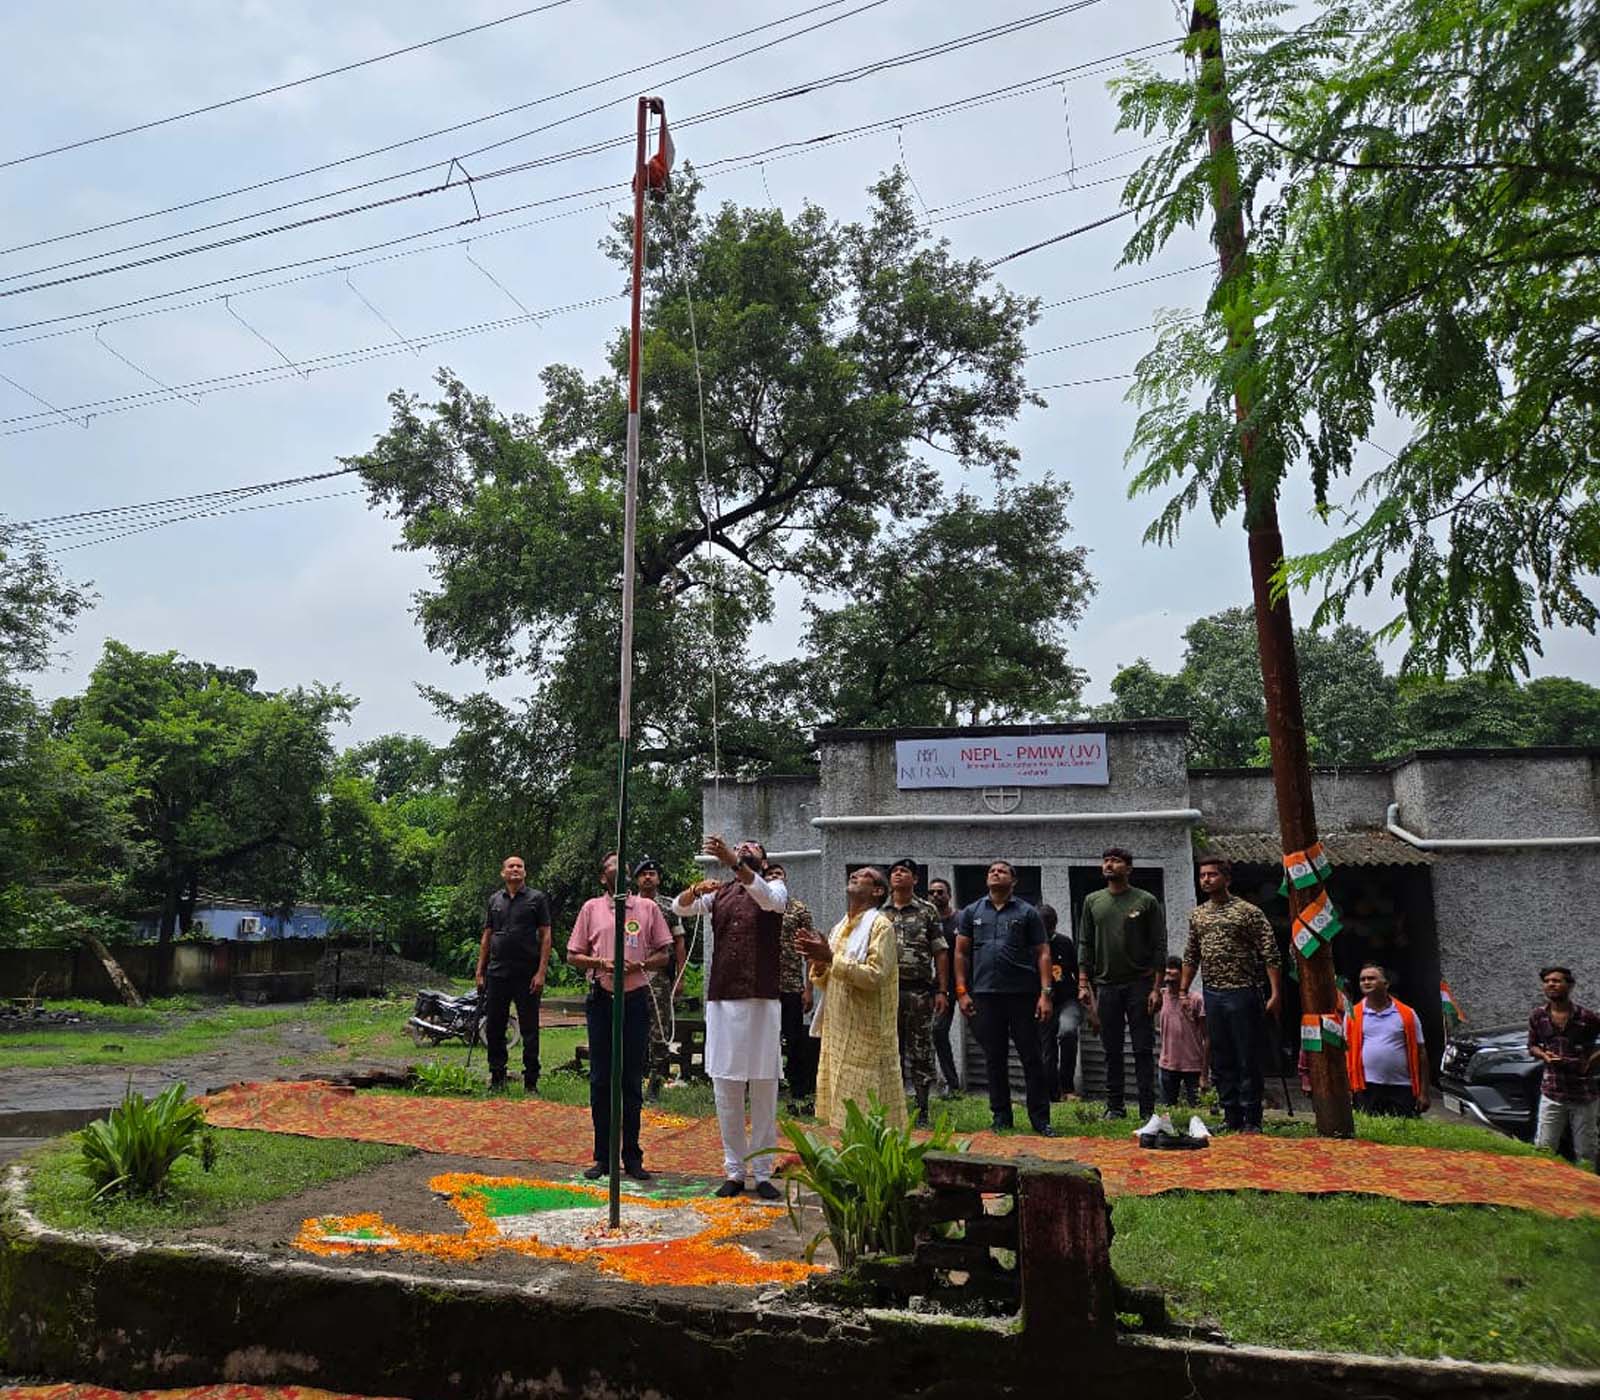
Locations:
742 1037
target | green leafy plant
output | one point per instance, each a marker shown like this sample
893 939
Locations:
132 1151
864 1184
445 1080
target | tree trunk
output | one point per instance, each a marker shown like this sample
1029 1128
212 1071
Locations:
169 920
119 979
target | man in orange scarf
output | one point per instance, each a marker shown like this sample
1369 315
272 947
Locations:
1385 1050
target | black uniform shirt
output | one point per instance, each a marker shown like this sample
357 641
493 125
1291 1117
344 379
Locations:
514 923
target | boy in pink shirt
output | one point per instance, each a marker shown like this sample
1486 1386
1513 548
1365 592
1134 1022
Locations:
592 947
1184 1051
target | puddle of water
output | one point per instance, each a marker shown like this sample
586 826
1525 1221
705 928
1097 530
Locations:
48 1122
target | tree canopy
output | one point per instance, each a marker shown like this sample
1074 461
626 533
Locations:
1421 180
1355 711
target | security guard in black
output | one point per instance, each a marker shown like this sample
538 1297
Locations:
513 956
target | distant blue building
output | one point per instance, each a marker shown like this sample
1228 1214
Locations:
238 920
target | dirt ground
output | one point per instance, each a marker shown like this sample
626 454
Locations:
398 1191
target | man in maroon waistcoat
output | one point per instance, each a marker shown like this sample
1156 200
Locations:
743 1012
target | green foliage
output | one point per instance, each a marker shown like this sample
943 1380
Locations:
1349 701
249 1167
948 629
1470 1282
36 918
445 1080
863 1184
1468 712
833 359
1419 181
132 1151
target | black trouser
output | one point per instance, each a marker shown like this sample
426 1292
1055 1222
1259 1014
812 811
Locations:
499 993
1387 1100
1173 1080
1059 1050
1234 1018
800 1049
635 1047
996 1018
1125 1005
941 1046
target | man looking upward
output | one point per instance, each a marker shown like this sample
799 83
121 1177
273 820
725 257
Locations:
743 1012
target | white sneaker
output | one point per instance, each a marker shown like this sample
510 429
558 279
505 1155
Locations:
1157 1124
1198 1129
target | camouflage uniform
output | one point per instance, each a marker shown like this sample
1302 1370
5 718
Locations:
660 984
799 1049
919 936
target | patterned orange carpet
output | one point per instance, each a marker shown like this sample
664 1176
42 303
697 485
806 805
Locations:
203 1392
531 1130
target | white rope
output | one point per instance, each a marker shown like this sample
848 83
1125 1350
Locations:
707 500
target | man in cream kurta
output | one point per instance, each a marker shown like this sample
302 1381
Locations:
857 969
743 1011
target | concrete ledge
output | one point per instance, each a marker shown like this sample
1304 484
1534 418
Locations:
111 1310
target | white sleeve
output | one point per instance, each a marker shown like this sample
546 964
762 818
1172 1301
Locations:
771 895
700 904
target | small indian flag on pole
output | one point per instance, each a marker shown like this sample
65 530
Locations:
1320 917
1298 866
1332 1032
1447 1004
1319 860
1311 1033
1305 942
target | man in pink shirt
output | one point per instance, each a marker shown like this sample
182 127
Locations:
592 949
1183 1038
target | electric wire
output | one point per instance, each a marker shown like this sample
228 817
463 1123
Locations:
425 136
850 75
779 151
280 87
43 523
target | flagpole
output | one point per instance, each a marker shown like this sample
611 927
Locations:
630 514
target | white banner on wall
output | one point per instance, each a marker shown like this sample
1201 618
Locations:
1032 760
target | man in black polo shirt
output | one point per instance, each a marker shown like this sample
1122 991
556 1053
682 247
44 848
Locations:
512 960
1003 981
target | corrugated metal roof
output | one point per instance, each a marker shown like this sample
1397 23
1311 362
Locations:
1344 848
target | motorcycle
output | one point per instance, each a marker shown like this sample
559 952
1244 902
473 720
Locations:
439 1016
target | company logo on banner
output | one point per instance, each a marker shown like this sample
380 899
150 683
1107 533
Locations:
1033 760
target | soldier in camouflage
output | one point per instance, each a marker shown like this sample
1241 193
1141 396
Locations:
647 882
800 1050
924 972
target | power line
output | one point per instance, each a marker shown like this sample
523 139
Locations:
1124 286
280 87
197 515
430 135
849 75
1059 238
781 150
44 522
1080 383
1110 335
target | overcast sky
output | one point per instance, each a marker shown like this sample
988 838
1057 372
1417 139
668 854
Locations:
316 591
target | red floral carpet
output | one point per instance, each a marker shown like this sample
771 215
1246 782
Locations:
203 1392
531 1130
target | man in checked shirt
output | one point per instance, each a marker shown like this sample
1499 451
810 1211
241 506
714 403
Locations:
1233 941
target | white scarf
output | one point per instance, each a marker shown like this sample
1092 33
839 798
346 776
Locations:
855 949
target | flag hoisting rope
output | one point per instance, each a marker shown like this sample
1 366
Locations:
649 175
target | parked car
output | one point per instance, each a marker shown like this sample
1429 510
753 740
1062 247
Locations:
1489 1077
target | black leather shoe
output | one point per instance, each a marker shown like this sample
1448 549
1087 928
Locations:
595 1172
730 1187
1000 1125
1111 1113
638 1173
768 1192
530 1086
1045 1131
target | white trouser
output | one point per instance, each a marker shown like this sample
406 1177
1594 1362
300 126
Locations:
736 1147
1553 1117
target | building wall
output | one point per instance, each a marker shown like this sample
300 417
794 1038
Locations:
1146 767
1500 915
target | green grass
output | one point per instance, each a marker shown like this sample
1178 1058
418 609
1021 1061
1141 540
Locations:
251 1167
1356 1273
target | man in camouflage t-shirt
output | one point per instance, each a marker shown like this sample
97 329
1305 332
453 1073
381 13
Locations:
924 959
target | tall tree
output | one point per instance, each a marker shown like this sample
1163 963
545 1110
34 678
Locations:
830 358
961 619
1349 702
1422 177
225 779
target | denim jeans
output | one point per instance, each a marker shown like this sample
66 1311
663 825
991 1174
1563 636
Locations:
1233 1021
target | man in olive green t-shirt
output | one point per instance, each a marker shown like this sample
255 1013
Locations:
1122 948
